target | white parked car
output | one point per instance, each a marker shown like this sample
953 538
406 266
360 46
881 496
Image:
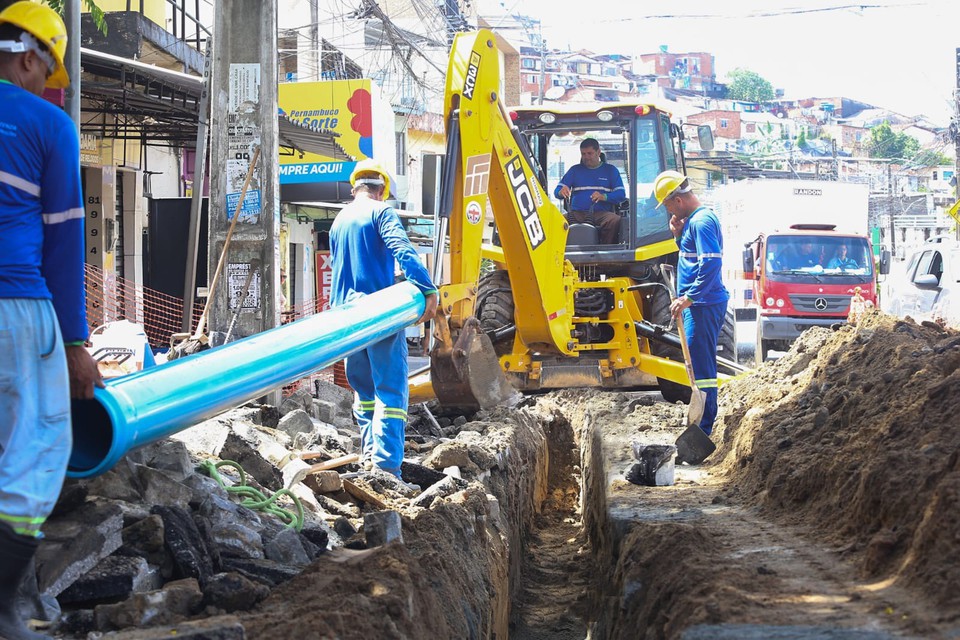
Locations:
929 288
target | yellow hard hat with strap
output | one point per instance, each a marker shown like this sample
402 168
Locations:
667 184
364 172
46 26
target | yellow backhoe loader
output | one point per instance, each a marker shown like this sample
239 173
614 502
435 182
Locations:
527 291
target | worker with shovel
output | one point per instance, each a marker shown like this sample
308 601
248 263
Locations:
43 325
701 297
366 242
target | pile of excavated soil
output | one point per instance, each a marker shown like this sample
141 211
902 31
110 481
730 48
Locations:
855 434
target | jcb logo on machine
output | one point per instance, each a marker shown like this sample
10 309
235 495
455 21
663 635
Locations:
470 83
524 198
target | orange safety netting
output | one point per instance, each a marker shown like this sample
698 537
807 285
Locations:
111 298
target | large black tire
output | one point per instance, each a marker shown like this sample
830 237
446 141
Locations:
495 307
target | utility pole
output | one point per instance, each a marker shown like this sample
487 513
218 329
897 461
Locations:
243 122
836 165
890 210
955 129
71 15
543 66
314 35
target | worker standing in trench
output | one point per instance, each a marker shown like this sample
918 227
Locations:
366 241
43 325
701 297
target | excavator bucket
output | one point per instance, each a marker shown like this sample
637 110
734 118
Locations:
466 374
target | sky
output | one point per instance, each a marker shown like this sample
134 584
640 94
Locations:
899 55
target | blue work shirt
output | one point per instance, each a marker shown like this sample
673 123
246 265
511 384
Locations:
701 253
367 240
583 181
41 208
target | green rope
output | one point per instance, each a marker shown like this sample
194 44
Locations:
255 499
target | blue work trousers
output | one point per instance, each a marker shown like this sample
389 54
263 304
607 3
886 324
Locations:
378 375
35 435
702 324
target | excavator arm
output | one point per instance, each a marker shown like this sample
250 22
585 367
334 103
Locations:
495 178
489 175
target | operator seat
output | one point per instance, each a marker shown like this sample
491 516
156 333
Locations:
582 233
588 234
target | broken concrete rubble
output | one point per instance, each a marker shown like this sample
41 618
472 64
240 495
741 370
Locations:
161 541
382 527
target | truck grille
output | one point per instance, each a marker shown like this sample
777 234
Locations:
817 303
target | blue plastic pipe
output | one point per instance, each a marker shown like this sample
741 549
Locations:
149 405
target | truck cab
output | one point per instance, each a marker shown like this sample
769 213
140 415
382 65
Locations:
806 277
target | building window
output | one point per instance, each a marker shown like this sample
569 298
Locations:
724 123
401 144
287 56
533 78
528 63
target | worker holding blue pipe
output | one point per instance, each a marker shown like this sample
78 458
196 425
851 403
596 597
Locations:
367 241
701 303
43 325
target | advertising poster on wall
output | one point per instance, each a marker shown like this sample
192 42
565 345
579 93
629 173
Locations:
342 108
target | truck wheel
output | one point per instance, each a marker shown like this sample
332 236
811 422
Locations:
658 309
495 307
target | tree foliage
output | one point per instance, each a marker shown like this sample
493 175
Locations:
892 145
95 12
749 86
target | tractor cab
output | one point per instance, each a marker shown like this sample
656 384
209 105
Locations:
639 140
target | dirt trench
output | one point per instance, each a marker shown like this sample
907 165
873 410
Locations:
830 510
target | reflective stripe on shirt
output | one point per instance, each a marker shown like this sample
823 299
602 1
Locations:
19 183
63 216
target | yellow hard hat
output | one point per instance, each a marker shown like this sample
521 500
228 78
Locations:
668 183
46 25
362 173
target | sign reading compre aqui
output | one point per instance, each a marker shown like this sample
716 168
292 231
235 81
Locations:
342 107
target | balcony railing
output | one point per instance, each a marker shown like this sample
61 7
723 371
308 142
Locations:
185 26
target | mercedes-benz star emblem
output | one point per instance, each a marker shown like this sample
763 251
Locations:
820 304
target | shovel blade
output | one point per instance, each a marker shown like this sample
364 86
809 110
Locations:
694 446
697 404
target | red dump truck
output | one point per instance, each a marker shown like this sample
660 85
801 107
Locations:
805 249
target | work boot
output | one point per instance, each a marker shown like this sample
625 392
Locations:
16 552
33 604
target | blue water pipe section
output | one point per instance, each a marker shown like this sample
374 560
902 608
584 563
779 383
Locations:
147 406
